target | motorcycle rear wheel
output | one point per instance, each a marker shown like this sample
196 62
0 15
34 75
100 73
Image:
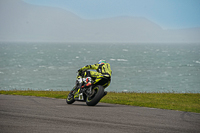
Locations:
96 97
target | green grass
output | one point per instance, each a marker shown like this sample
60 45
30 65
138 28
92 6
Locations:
189 102
51 93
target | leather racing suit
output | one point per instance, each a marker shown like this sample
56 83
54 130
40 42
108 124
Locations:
102 75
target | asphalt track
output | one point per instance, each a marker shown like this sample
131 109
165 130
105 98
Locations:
26 114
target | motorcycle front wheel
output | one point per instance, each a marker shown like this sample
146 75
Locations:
98 92
70 98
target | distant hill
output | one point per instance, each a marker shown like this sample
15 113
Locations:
25 22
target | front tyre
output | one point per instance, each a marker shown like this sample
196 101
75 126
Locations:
70 98
98 92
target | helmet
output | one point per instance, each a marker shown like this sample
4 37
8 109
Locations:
102 62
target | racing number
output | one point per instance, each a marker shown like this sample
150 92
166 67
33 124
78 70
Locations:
103 69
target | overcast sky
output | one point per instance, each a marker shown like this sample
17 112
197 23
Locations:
169 14
152 21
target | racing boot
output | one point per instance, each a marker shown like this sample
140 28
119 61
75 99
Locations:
105 93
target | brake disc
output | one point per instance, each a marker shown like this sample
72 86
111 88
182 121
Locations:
90 93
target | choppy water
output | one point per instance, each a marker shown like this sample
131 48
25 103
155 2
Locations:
136 67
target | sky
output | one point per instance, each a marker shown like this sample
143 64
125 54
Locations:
169 14
142 21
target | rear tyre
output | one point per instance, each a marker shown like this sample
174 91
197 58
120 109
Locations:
96 97
70 98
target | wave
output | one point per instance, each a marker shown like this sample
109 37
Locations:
125 50
118 59
122 60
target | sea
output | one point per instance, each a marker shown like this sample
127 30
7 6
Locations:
136 67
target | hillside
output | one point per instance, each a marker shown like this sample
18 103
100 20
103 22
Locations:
24 22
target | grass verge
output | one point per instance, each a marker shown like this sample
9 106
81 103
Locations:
189 102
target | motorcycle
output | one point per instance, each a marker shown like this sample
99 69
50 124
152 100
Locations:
91 95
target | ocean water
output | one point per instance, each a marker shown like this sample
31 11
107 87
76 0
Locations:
136 67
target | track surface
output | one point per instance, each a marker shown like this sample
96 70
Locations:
25 114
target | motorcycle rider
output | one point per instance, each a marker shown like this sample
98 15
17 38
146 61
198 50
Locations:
101 76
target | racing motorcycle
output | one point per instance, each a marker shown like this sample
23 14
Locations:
91 95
